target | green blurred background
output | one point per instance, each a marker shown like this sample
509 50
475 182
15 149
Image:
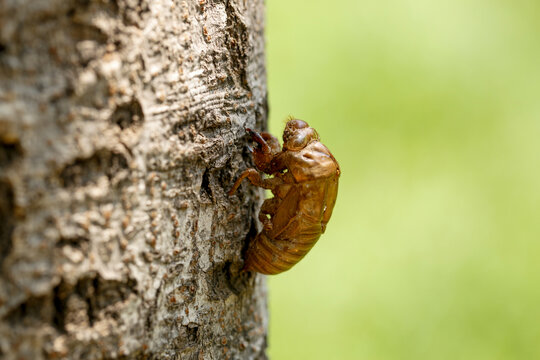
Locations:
433 110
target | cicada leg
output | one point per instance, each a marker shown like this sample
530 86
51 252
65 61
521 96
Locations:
256 179
269 207
267 147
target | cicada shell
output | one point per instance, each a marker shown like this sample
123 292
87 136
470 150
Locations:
304 181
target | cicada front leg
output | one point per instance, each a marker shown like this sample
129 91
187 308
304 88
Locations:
266 149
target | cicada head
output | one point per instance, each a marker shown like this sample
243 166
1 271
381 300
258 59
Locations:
298 134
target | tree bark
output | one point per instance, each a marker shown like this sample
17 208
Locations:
121 130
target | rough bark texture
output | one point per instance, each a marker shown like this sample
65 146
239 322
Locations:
121 129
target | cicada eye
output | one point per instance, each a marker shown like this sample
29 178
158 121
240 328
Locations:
297 124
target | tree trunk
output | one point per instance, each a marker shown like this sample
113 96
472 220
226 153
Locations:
121 130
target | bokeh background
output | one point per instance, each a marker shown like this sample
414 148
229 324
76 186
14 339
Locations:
433 110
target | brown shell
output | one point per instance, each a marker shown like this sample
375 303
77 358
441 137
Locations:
304 184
